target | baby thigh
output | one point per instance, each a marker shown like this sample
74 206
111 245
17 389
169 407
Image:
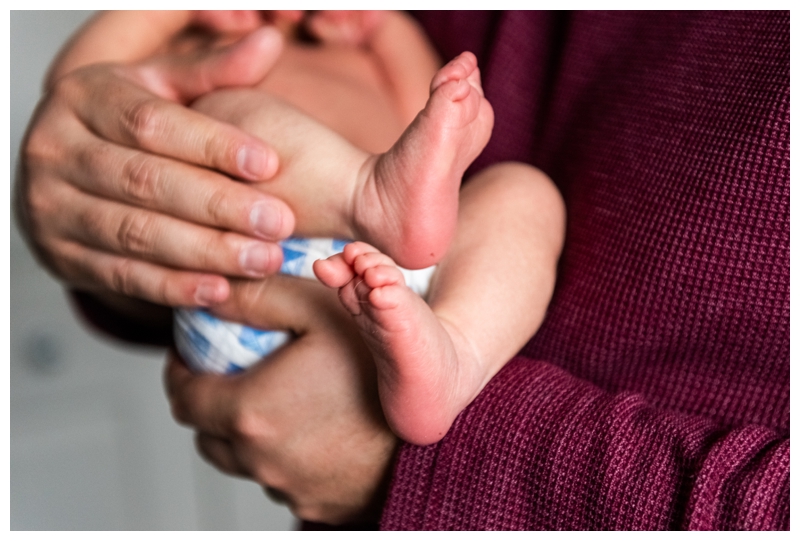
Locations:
497 278
318 168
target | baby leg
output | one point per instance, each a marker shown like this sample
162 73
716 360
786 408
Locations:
487 299
404 201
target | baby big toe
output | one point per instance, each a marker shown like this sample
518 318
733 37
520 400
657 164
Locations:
334 271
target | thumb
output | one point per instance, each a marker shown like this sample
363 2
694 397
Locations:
243 63
230 20
282 303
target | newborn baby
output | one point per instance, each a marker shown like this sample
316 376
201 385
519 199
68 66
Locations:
496 241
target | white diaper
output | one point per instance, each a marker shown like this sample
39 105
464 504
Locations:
209 344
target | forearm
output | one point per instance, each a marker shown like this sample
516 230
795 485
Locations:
559 453
118 36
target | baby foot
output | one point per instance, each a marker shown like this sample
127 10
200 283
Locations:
406 200
424 378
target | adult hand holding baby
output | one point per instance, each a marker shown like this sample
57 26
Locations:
123 189
307 423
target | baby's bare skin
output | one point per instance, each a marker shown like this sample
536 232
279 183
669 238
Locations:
432 360
405 201
367 88
342 88
488 297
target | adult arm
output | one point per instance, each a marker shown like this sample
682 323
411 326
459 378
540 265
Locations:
646 301
541 449
122 189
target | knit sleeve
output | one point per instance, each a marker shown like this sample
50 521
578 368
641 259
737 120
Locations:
541 449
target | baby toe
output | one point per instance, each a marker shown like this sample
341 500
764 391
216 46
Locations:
334 271
354 249
369 260
383 275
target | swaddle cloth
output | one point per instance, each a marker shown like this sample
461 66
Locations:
210 344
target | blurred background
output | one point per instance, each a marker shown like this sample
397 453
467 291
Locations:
93 446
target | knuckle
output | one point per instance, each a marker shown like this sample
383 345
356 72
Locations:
178 412
135 232
163 292
213 251
121 279
40 147
249 426
216 206
68 86
308 512
261 474
245 426
56 261
142 120
142 179
221 150
38 205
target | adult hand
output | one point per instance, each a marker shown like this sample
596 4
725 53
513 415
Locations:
306 422
118 188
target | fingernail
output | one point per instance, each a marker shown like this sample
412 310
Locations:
266 220
207 293
252 161
255 259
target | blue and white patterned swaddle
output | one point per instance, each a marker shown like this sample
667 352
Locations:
209 344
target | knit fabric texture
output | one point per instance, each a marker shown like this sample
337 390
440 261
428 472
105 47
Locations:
656 393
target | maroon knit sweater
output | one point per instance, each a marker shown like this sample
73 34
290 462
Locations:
656 393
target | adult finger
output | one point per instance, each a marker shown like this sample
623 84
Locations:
120 111
91 269
174 188
284 303
141 106
243 63
219 452
204 402
151 236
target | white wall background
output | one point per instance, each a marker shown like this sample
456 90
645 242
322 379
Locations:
93 445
